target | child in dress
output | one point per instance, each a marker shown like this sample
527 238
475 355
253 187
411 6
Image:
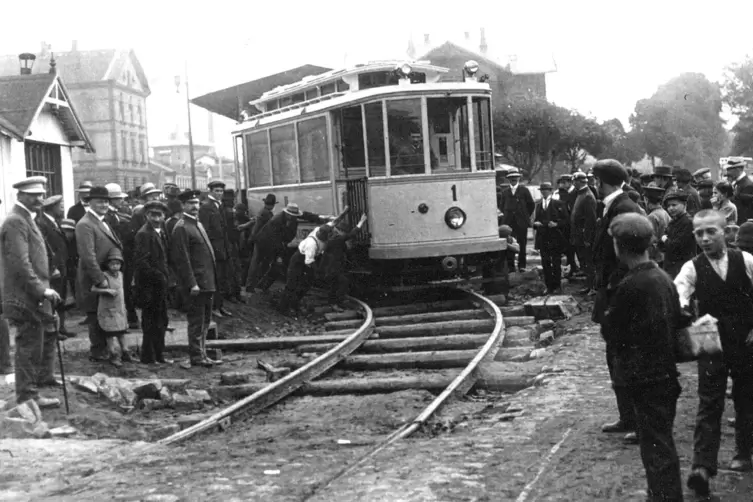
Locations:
111 310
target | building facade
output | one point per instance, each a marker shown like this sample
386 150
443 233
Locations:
209 165
40 134
108 88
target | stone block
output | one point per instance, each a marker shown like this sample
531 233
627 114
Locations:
184 402
166 396
165 431
148 390
111 393
235 378
517 336
187 421
537 308
276 373
86 384
544 325
562 306
215 354
545 339
199 394
537 353
63 432
152 404
514 354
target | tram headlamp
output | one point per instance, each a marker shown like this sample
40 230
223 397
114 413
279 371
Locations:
454 217
471 68
404 70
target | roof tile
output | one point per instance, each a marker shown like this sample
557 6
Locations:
20 97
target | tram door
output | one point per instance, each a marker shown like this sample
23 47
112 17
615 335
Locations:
356 197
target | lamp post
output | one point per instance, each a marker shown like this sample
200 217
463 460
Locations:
190 134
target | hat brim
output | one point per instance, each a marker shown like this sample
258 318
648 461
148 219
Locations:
291 213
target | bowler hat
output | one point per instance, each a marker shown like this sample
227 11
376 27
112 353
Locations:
610 171
97 193
51 201
155 205
188 195
216 184
663 171
545 185
292 209
270 200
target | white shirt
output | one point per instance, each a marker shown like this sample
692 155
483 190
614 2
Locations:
514 187
609 199
545 203
99 217
686 279
311 246
31 213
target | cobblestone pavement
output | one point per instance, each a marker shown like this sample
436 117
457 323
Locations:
553 451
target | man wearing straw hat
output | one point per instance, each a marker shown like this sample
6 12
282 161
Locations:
25 287
78 210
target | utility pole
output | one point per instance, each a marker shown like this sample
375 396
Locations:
190 133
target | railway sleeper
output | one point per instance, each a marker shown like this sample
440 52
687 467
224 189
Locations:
398 320
445 342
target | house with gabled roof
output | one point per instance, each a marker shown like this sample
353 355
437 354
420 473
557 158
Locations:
40 130
108 89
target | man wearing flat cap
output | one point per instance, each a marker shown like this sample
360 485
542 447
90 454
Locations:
678 242
644 314
517 207
693 204
610 176
78 210
152 273
195 266
48 221
26 293
743 186
701 174
212 217
95 239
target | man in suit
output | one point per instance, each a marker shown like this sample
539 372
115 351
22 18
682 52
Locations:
550 220
94 240
265 215
175 208
684 178
195 265
146 193
566 193
78 210
743 186
517 207
610 176
120 221
583 227
152 276
48 221
25 288
212 218
592 184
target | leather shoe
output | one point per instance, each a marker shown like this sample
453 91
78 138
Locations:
170 329
217 313
225 313
698 481
731 421
202 362
165 361
618 426
741 464
631 438
50 383
47 402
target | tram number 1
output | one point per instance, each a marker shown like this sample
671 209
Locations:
454 191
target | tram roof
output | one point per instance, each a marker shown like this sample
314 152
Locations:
227 102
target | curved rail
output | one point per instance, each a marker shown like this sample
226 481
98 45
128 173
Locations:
273 392
460 386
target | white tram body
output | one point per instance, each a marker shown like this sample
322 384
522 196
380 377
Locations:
388 139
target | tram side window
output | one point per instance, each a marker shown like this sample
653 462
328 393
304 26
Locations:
257 161
375 139
351 135
313 151
405 136
448 134
483 134
284 158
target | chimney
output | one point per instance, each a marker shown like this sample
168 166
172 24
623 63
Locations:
482 43
74 46
426 39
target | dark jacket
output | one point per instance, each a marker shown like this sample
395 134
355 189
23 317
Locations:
56 242
212 217
583 218
680 245
743 200
517 208
282 228
193 256
551 239
76 211
334 259
693 204
264 216
150 266
644 313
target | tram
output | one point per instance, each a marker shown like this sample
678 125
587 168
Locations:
388 139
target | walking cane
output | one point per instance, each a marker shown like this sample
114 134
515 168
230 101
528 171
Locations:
62 374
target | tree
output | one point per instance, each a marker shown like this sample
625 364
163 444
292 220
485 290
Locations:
527 132
621 145
580 137
681 122
738 94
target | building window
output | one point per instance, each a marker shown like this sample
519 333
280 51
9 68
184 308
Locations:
44 160
141 116
122 108
142 149
134 156
284 158
124 140
313 151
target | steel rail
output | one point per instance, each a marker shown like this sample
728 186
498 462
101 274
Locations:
280 389
460 386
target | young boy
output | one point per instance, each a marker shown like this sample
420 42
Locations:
677 243
722 281
111 310
644 312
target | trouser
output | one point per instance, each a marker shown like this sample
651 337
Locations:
115 346
338 287
222 284
551 262
60 285
712 388
585 259
5 363
133 316
570 255
299 279
153 326
498 272
34 358
97 341
198 315
520 235
261 264
625 406
655 407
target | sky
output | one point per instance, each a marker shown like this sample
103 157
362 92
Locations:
608 54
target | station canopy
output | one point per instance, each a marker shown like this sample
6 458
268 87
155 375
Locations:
230 101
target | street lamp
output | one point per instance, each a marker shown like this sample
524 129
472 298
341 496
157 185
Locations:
190 135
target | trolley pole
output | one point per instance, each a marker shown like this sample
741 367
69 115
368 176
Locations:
190 132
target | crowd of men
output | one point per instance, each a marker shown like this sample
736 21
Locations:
658 251
117 252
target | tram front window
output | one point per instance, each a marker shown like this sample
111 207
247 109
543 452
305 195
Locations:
405 136
482 129
449 134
